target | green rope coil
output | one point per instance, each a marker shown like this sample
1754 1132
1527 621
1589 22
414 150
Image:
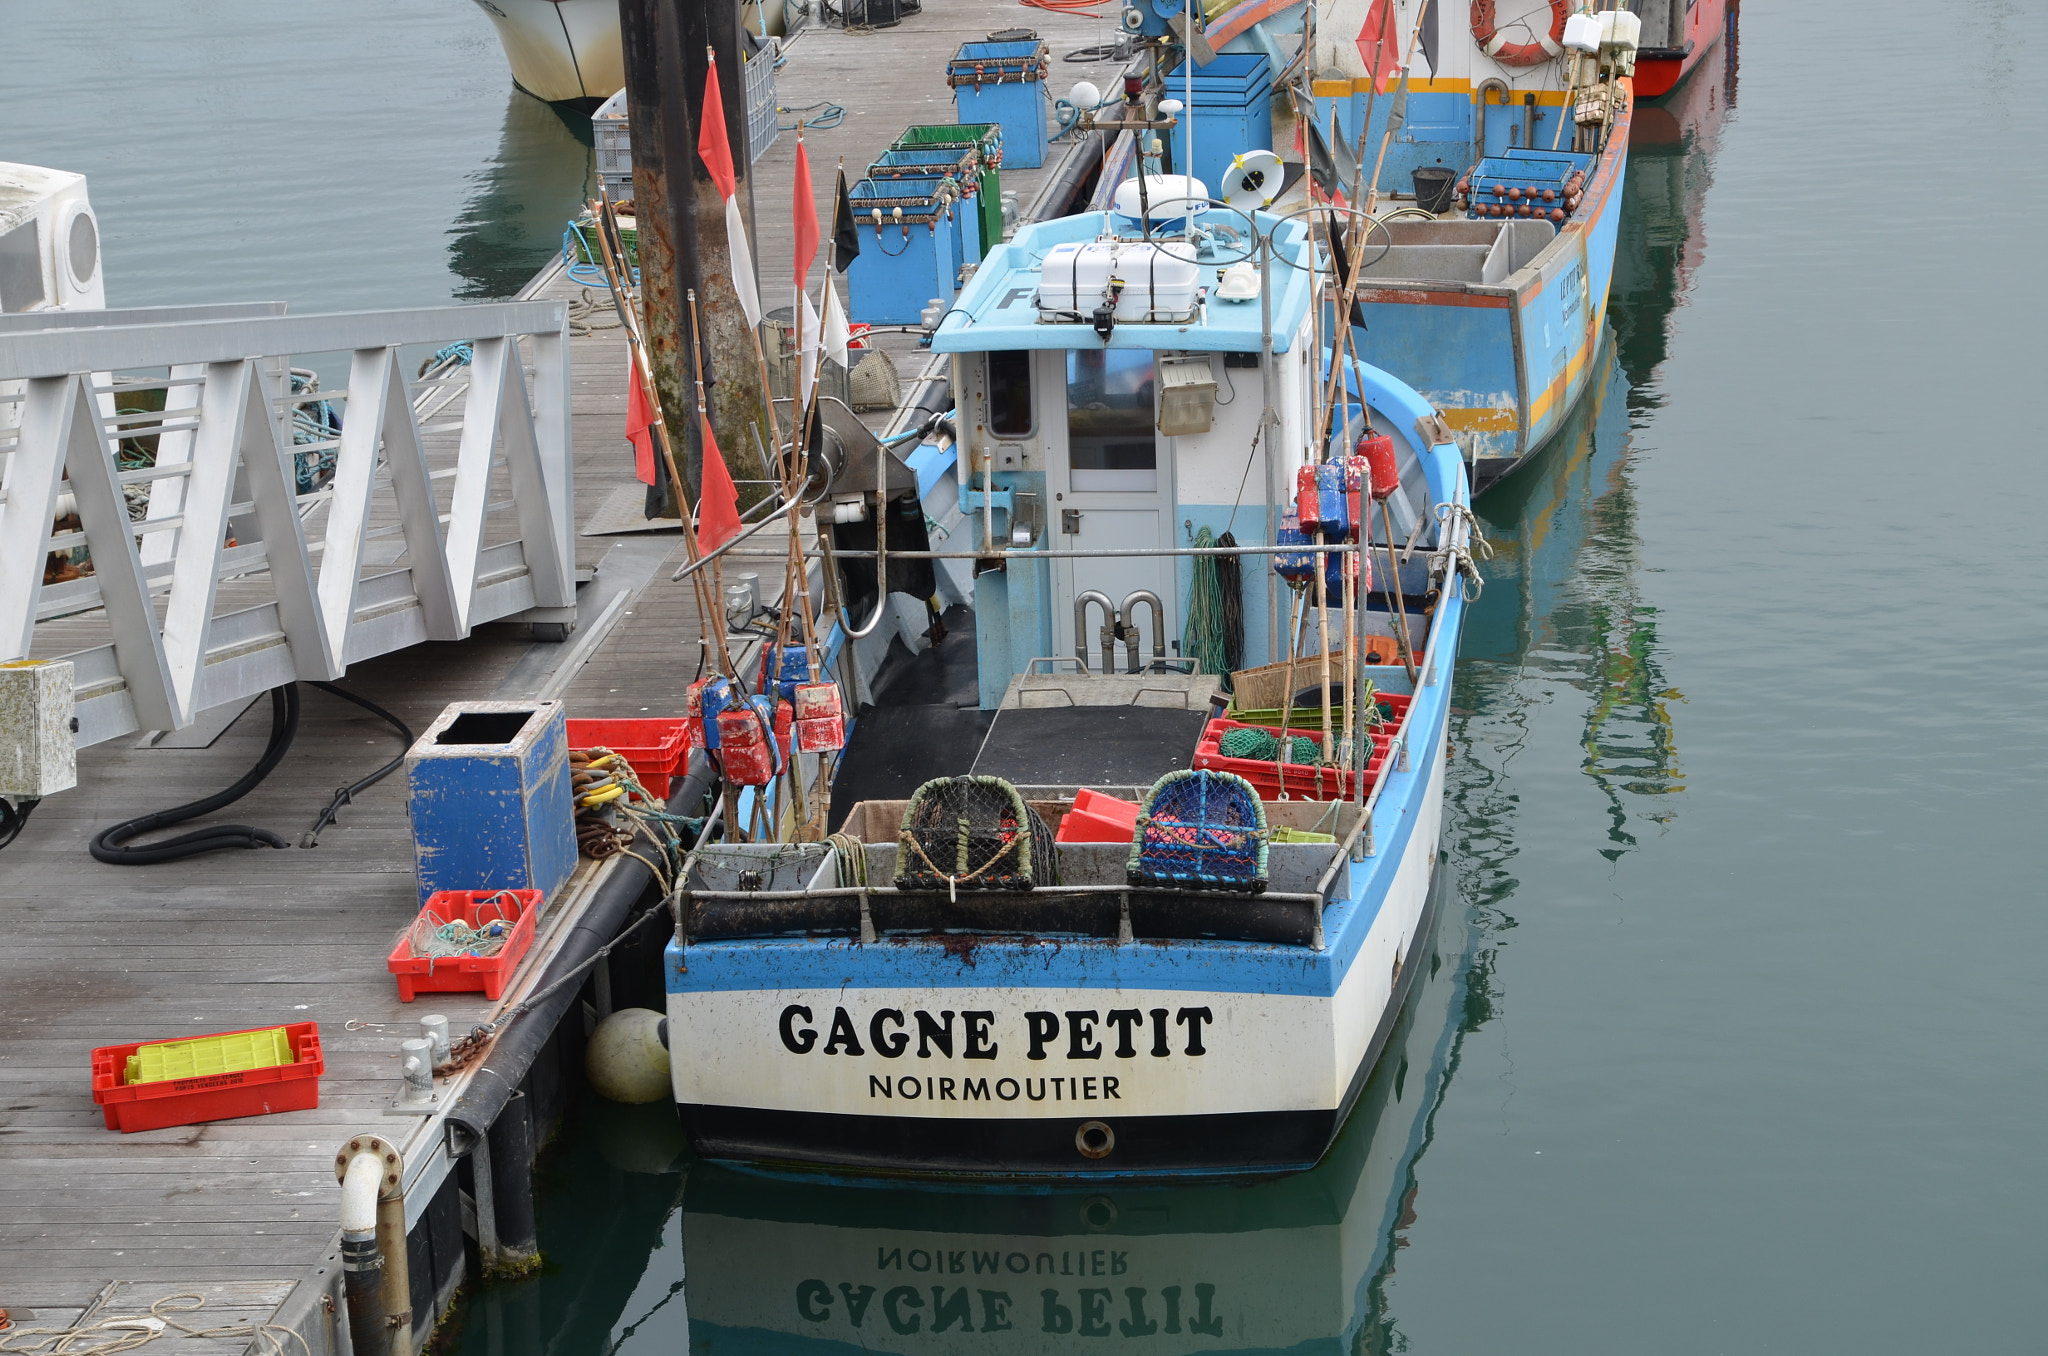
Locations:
1260 746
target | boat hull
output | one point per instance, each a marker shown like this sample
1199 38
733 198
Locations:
1659 70
563 51
780 1053
1506 362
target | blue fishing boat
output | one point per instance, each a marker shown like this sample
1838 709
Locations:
1487 285
1143 927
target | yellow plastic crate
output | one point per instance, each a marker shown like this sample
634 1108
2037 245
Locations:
235 1053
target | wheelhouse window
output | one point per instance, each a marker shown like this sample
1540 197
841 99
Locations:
1111 439
1009 393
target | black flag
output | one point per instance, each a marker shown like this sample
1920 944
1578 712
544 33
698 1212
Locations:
845 239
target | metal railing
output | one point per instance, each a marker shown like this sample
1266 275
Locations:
216 571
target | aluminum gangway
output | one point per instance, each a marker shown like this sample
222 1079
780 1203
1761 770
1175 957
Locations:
237 542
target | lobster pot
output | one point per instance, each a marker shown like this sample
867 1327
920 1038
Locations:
1201 830
744 747
912 254
1524 183
973 833
1004 83
985 140
979 179
1232 113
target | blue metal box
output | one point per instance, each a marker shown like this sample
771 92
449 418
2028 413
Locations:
904 260
1004 83
1233 113
490 799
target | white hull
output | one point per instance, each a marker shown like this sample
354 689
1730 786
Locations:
561 51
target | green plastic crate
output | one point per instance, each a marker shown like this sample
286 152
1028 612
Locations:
236 1052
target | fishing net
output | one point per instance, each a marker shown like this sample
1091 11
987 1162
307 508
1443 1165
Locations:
1260 746
1201 830
438 938
973 833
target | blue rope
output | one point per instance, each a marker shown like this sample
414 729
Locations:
590 274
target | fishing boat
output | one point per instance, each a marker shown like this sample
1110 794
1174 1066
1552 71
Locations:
788 1263
563 51
1129 936
1488 286
1677 36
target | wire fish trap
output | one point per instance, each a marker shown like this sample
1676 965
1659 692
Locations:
1201 830
973 833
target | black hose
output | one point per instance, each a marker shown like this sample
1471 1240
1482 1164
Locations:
14 818
108 846
347 794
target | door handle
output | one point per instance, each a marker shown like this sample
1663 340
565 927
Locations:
1070 521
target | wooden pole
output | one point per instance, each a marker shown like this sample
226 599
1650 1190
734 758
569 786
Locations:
1372 196
613 261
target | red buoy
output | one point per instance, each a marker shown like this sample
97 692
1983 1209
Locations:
743 747
1378 451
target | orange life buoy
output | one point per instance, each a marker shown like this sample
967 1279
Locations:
1546 46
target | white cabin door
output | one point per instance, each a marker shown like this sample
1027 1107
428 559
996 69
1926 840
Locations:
1111 480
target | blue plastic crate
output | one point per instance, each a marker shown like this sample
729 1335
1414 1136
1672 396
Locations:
1004 83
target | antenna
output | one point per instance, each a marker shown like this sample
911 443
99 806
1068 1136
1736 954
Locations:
1252 181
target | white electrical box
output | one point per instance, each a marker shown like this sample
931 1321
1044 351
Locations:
38 751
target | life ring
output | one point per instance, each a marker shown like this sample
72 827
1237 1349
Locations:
1546 46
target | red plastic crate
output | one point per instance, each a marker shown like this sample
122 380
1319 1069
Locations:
1299 781
467 974
655 748
1097 818
214 1097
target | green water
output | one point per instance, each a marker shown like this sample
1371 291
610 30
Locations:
1733 1036
337 157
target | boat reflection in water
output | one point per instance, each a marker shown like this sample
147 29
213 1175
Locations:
519 203
659 1253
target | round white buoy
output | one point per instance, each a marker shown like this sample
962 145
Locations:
625 1060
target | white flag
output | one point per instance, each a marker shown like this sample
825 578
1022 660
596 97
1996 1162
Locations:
835 334
742 261
807 352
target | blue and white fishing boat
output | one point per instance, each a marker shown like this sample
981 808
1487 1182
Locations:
1488 286
946 989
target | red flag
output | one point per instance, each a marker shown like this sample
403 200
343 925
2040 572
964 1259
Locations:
805 215
718 507
712 142
639 424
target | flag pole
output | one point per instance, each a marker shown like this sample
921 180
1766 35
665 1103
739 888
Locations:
614 266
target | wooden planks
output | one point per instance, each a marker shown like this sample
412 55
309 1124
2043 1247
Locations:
93 1223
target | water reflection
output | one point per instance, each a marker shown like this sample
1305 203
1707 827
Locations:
1564 608
653 1252
512 220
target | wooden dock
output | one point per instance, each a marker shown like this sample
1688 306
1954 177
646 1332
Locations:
96 1224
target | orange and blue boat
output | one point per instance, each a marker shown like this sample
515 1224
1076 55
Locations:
1492 160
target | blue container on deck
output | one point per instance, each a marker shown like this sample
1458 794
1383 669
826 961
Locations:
906 259
490 800
978 179
1004 83
1233 113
